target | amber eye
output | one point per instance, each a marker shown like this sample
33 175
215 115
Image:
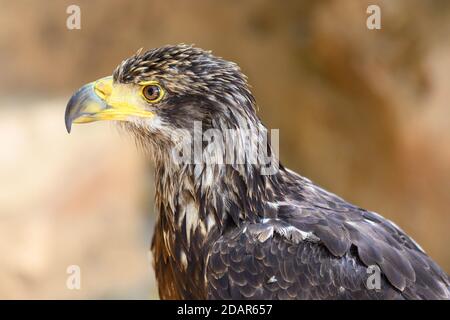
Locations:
152 93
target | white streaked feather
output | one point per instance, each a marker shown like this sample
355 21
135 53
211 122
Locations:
192 220
183 259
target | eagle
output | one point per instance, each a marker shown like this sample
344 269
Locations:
244 228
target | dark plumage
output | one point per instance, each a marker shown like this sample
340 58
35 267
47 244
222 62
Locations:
228 230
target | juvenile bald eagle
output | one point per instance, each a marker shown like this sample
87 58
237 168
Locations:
228 229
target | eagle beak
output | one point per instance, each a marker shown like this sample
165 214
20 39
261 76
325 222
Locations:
104 100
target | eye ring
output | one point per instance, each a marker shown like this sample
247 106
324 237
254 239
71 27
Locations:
152 92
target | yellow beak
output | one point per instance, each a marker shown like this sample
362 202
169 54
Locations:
105 100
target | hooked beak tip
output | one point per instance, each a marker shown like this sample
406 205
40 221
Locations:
68 117
68 127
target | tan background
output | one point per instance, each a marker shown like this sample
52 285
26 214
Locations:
363 113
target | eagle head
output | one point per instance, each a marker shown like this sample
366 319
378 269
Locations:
161 92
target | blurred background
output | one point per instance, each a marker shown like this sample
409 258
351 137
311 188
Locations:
364 113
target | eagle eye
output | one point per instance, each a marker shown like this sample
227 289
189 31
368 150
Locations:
152 92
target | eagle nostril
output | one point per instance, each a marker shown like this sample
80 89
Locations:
103 87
